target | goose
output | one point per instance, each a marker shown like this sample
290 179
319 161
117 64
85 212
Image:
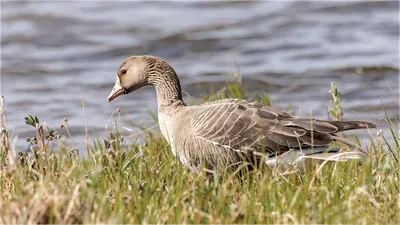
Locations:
227 132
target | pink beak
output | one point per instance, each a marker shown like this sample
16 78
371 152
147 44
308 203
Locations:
116 91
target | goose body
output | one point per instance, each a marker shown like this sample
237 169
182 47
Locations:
230 131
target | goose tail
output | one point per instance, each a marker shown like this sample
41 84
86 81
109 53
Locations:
351 125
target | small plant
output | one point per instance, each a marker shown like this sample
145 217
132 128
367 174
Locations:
4 145
65 125
263 98
336 111
45 138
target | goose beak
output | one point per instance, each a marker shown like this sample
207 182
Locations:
116 91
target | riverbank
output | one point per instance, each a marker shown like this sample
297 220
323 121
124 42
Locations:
121 182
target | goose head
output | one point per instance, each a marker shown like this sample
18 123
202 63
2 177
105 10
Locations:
131 75
138 71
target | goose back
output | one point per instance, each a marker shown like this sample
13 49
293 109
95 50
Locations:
226 131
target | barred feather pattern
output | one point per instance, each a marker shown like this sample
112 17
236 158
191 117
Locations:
228 130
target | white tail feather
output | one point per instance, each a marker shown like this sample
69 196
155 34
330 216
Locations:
300 159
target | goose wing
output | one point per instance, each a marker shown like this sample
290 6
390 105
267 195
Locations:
243 125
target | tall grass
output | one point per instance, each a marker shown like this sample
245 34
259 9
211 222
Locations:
133 183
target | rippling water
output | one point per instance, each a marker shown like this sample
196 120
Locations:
291 49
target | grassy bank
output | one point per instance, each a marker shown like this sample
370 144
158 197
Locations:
123 182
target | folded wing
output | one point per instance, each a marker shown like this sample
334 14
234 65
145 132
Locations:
242 125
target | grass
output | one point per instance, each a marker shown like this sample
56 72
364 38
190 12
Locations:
133 183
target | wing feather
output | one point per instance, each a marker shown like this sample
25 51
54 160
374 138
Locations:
309 124
242 125
318 139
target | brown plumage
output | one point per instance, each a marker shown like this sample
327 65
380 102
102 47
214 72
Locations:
229 131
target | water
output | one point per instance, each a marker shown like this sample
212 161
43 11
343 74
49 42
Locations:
292 50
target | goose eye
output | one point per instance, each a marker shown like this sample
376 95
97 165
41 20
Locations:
123 71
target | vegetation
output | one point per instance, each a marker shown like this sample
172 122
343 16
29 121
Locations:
135 183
